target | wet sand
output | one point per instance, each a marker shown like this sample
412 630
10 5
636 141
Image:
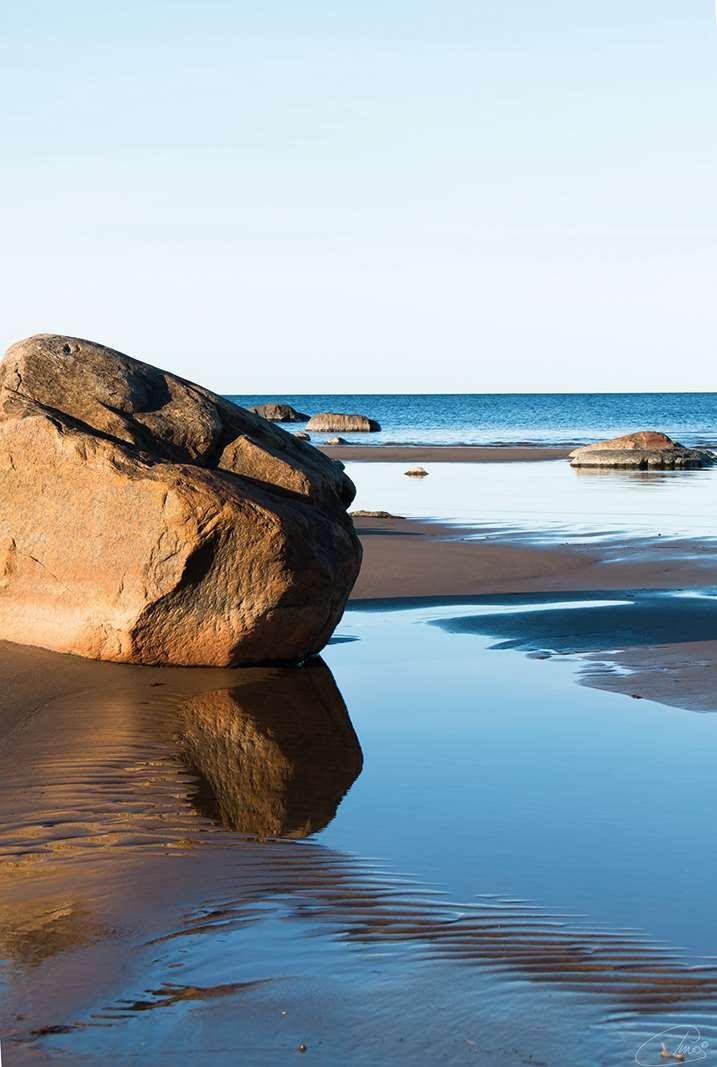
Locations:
406 558
443 453
679 674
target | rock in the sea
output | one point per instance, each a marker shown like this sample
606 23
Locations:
278 751
278 413
646 450
373 515
416 472
302 435
336 441
145 519
330 422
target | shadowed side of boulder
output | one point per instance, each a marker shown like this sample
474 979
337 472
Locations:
145 519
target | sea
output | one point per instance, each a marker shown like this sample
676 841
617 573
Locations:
513 418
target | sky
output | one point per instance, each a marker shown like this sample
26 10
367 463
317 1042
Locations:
376 196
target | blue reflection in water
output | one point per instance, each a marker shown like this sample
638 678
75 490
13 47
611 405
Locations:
524 866
487 771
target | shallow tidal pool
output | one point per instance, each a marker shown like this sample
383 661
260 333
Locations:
521 869
545 500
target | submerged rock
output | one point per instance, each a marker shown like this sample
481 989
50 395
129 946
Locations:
277 752
644 450
330 422
278 413
145 519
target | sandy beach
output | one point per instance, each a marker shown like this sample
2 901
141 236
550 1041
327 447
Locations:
405 558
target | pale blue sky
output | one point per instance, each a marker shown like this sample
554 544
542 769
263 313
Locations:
304 195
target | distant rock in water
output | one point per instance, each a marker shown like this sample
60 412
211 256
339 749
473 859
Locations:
145 519
416 472
302 435
646 450
277 753
373 515
278 413
331 422
336 441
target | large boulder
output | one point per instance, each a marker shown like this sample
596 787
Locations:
333 422
145 519
276 753
644 450
278 413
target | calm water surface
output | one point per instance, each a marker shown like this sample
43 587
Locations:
522 865
545 500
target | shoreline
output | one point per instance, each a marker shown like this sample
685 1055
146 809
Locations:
408 564
410 558
445 453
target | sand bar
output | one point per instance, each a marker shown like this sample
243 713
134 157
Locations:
406 558
444 453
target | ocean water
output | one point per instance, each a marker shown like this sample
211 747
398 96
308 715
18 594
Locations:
512 418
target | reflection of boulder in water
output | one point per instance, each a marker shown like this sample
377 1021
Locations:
277 751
